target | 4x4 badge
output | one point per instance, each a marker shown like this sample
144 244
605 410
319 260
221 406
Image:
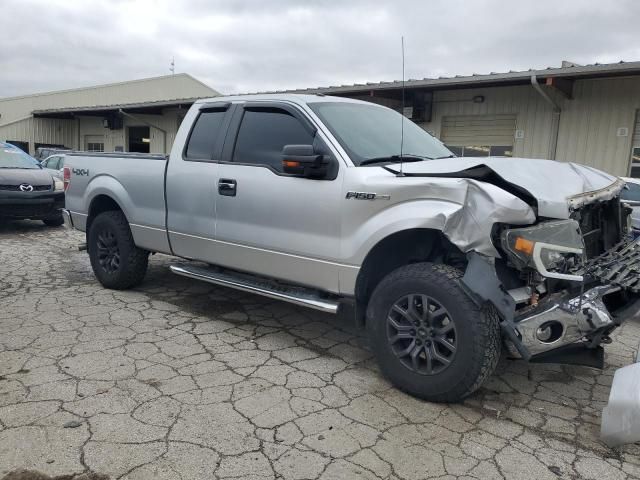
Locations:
367 196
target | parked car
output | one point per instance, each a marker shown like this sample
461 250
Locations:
335 203
631 196
54 164
45 152
28 191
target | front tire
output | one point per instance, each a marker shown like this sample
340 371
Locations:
430 339
116 261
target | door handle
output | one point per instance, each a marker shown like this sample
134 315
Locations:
227 187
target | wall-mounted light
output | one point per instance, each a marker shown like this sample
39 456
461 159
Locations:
146 140
105 122
478 99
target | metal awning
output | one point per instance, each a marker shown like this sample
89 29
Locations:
568 72
147 108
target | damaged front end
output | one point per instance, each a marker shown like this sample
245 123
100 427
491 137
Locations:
563 286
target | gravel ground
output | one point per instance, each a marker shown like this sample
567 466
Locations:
182 380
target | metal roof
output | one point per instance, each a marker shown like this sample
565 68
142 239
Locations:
109 85
567 70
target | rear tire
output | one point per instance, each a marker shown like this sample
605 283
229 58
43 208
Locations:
54 221
430 339
116 261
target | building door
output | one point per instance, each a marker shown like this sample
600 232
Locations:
634 168
139 139
479 135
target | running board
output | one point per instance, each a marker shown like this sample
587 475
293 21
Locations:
247 283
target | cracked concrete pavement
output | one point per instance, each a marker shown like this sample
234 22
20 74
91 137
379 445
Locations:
183 380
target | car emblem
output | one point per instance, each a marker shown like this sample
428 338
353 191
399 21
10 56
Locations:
25 187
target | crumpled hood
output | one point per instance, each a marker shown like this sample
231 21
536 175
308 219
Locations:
17 176
549 182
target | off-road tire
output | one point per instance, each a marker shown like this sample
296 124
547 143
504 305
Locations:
54 221
477 333
133 261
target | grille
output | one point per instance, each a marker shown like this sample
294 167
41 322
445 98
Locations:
16 188
601 226
37 210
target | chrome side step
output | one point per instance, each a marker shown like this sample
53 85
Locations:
247 283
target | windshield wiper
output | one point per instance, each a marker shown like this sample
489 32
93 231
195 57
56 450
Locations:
446 156
395 159
20 168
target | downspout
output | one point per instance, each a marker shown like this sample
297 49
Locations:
555 119
138 119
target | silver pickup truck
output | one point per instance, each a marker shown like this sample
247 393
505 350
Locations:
308 199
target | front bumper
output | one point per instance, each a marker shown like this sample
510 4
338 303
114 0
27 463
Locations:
33 205
68 220
562 320
589 317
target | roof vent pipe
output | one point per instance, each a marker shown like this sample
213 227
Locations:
555 119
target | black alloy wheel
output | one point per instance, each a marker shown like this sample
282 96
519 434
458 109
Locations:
421 334
108 251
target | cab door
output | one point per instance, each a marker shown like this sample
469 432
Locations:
269 222
191 181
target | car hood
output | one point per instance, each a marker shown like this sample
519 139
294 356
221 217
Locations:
553 186
17 176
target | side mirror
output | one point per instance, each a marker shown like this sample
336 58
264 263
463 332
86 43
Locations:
303 161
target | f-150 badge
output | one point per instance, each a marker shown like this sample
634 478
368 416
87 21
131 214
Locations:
367 196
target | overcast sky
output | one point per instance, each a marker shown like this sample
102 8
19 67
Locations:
245 46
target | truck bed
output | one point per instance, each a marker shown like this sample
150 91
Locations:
137 180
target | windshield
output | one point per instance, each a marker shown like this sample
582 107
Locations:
372 132
13 157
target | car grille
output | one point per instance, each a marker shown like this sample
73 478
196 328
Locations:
27 211
16 188
601 226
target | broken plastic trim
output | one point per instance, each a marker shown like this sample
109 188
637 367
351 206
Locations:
483 285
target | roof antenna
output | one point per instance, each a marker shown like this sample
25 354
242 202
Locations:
401 174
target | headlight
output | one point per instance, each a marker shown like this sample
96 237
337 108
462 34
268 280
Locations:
58 185
552 248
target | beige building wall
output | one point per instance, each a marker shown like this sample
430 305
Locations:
92 129
533 114
165 88
40 130
596 124
17 122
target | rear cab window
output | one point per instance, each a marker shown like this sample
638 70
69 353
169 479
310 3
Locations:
206 134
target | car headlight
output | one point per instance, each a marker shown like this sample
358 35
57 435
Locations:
58 185
552 248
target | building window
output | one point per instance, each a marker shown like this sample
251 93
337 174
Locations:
95 147
635 162
482 150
